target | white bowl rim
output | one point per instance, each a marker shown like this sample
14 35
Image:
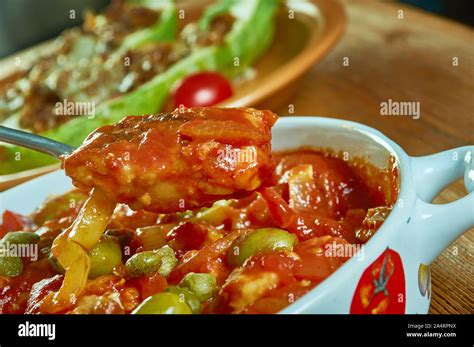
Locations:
381 238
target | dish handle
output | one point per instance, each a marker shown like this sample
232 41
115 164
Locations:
437 226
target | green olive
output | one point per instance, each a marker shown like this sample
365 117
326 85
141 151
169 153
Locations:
258 241
10 266
161 260
21 238
187 296
124 236
204 286
104 257
163 303
216 214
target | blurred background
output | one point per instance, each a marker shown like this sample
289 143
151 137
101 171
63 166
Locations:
26 22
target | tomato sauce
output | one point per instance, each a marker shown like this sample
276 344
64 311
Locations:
328 203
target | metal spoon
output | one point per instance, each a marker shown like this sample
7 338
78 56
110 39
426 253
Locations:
34 142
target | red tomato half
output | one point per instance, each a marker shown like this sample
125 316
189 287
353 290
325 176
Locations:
381 288
202 89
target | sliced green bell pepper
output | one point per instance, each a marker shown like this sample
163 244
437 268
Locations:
164 30
251 34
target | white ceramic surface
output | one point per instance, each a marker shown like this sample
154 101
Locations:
416 229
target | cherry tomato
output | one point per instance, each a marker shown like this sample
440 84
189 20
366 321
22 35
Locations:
202 89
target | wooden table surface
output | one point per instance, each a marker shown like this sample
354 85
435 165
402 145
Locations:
409 59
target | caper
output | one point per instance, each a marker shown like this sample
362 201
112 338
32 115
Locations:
204 286
189 297
259 241
104 257
10 266
21 238
163 303
161 260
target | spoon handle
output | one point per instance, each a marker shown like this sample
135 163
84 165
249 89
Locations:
34 142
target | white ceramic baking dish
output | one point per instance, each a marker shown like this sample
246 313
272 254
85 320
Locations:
416 230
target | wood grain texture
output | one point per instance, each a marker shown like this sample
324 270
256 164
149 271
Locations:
409 59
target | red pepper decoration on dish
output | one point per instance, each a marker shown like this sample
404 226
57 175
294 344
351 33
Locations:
381 289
